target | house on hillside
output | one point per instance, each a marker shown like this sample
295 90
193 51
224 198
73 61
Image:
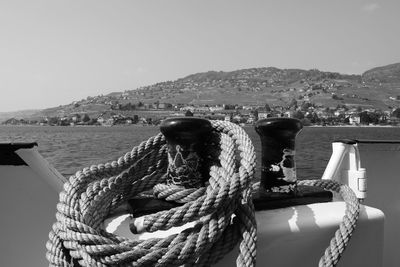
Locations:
101 120
105 120
237 118
248 108
164 106
251 119
288 114
216 108
354 119
339 112
202 109
186 108
263 115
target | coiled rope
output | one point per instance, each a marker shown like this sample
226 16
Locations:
88 197
222 212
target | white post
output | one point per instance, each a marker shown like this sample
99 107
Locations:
339 151
344 167
42 168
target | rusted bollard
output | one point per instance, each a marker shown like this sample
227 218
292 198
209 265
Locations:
185 138
278 185
278 170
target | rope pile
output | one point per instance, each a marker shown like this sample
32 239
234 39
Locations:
222 212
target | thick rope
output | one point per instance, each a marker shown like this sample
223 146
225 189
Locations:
342 236
222 212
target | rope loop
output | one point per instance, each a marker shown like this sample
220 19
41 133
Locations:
222 211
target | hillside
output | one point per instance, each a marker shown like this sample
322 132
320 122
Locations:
274 86
385 74
19 114
376 88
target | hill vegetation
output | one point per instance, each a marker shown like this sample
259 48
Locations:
378 88
385 74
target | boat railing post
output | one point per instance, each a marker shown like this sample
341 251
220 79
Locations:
332 170
344 167
42 168
355 175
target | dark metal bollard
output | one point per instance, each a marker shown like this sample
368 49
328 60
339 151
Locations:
185 138
278 185
278 170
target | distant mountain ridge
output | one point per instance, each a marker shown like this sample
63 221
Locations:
18 114
385 74
376 88
270 74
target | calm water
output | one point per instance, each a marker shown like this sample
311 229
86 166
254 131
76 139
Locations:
70 149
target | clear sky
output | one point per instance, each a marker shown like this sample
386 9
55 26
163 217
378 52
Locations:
53 52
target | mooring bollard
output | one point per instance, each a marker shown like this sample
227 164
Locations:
278 185
278 167
186 143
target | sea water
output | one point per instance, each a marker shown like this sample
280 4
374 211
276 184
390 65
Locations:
70 149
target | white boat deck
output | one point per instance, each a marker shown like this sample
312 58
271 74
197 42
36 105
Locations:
294 236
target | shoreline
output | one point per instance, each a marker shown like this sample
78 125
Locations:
355 126
152 125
